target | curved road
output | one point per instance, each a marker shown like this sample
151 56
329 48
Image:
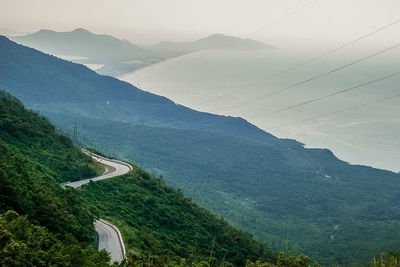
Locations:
110 238
113 168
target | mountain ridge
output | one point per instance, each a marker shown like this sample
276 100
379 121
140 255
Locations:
81 42
120 56
259 182
54 224
216 41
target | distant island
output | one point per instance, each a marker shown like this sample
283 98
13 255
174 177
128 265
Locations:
213 42
112 56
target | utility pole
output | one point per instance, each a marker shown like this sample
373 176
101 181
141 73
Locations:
75 135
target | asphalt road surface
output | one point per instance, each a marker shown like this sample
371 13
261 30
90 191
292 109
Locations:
110 239
113 168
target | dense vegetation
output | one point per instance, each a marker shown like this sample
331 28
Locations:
25 244
161 227
57 223
273 188
35 137
390 259
328 209
56 226
157 220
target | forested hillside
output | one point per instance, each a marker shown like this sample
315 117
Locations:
157 220
33 161
54 225
273 188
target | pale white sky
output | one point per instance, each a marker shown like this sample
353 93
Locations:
148 21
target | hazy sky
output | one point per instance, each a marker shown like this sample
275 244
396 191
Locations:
144 21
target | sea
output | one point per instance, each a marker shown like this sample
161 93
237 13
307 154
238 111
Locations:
346 101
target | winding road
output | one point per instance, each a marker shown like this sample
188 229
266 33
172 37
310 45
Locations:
113 168
109 237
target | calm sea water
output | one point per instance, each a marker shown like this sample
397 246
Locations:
367 135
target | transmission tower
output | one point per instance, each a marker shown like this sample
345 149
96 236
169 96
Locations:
75 135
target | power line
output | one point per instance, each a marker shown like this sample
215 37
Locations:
253 32
337 111
291 13
283 71
327 96
390 48
304 63
244 36
312 78
295 122
307 80
296 105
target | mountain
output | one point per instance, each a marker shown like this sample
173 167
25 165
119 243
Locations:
156 220
53 226
215 42
82 43
111 54
286 195
82 92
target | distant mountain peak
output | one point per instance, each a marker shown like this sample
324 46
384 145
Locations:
77 31
217 41
218 35
44 31
83 43
224 37
81 30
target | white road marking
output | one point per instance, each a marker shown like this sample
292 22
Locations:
110 238
117 168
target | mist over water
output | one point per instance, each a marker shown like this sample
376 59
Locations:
367 135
